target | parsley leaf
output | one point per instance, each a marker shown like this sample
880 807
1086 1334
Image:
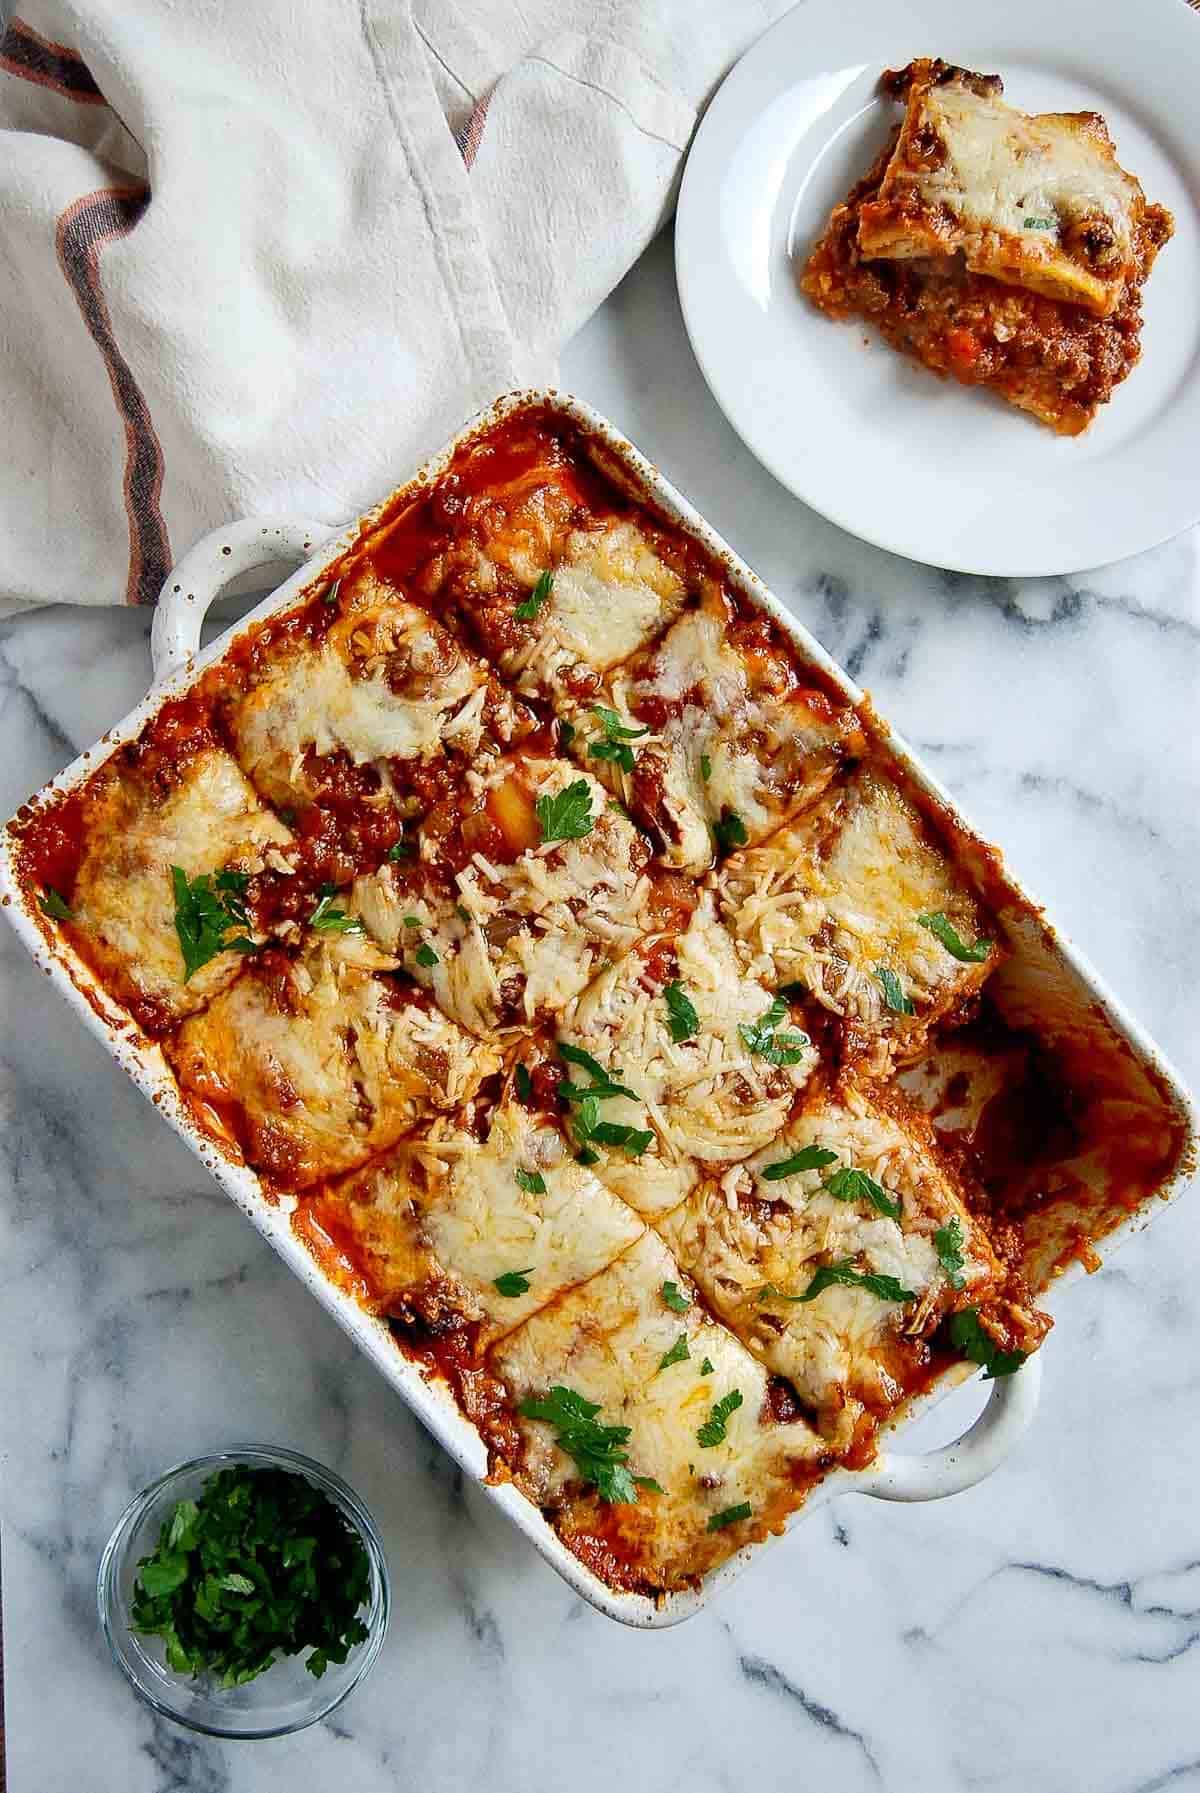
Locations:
531 1181
203 918
713 1431
615 744
330 596
678 1353
260 1564
948 1243
969 1337
596 1449
513 1282
943 930
807 1158
760 1038
729 831
675 1298
51 903
412 921
528 609
893 991
568 816
707 1367
329 920
848 1185
633 1140
1038 224
586 1099
566 734
425 954
648 1481
523 1082
730 1516
886 1287
682 1018
705 767
401 849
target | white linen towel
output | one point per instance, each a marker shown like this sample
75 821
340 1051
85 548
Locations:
261 255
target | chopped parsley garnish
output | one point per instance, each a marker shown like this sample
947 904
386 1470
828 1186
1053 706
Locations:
948 1243
585 1099
675 1298
463 913
969 1337
794 992
648 1482
412 921
893 991
330 596
807 1158
513 1282
596 1449
855 1185
585 1155
401 849
425 955
705 767
568 816
886 1287
531 1181
729 831
615 743
678 1353
566 734
682 1018
523 1082
943 930
261 1564
1038 224
730 1516
529 607
601 1085
633 1140
759 1037
330 920
205 910
712 1432
707 1367
51 903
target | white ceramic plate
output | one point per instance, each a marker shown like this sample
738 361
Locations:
939 472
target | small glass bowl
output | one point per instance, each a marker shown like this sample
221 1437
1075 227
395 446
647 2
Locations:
285 1697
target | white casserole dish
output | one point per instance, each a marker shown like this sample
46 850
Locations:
1045 984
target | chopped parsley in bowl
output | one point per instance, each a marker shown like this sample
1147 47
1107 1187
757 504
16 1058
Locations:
244 1594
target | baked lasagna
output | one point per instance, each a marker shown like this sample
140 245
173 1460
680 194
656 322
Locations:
573 964
1003 249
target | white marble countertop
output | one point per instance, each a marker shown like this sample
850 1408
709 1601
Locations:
1041 1632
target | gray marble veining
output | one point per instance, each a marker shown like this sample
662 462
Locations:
1040 1634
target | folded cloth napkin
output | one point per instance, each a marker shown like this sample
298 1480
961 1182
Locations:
262 257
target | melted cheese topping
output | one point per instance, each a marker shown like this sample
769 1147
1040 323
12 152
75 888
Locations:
606 1341
444 1215
1039 202
833 1349
388 683
124 901
731 747
517 941
611 593
708 1099
834 897
326 1061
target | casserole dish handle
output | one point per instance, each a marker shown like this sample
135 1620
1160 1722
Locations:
928 1475
207 567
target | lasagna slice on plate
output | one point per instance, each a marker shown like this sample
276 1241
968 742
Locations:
711 1452
1005 250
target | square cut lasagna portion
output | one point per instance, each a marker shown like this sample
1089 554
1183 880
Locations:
720 1453
371 719
835 1253
144 815
712 736
453 1230
1002 251
522 886
859 903
313 1061
695 1063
